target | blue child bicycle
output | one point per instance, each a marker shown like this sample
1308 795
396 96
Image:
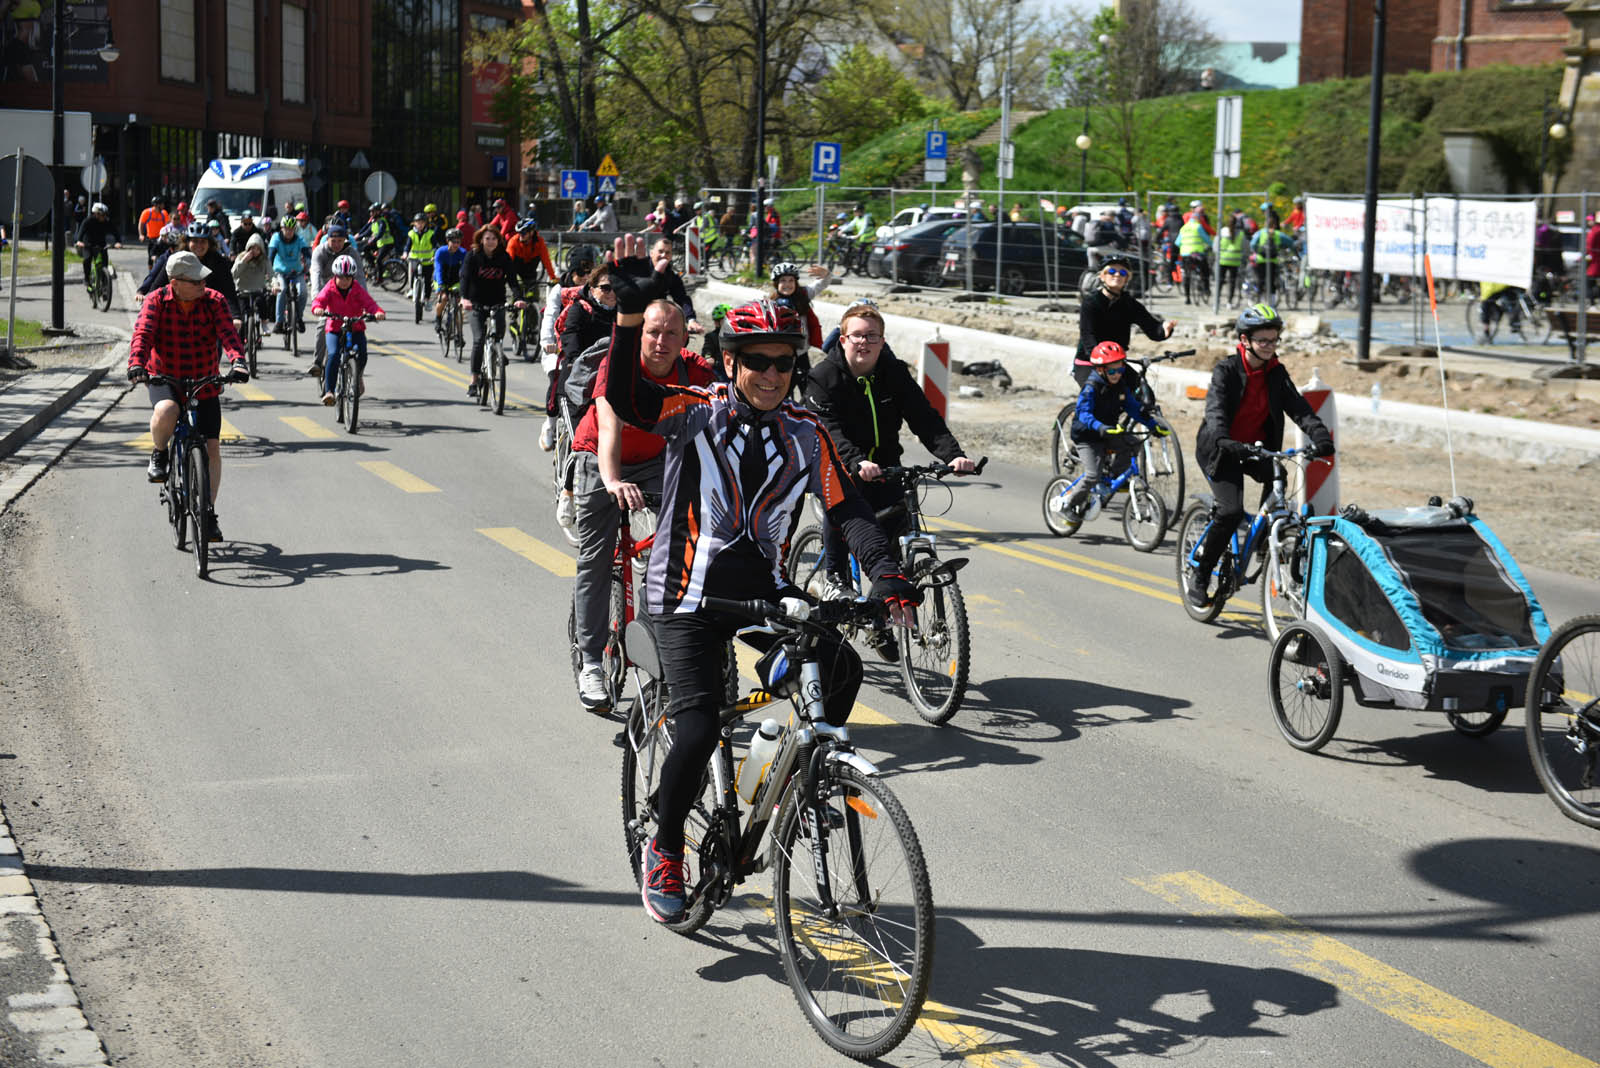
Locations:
1144 515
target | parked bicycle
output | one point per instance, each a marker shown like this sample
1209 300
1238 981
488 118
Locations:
1562 719
1144 514
851 900
186 493
1273 545
935 654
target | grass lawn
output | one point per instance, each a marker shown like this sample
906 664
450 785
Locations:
28 333
32 257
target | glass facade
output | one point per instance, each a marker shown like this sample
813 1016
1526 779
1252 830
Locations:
416 99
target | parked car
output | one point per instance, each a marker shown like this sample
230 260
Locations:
915 254
912 216
1032 257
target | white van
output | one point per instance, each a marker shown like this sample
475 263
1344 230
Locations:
252 184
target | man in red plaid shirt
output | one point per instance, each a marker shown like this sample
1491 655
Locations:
177 334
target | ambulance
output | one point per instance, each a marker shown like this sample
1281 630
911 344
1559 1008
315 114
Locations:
252 184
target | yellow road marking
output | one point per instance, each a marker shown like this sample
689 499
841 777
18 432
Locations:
252 393
448 372
309 427
1394 993
228 432
860 715
400 477
527 546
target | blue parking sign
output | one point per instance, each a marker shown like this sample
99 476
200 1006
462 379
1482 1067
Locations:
938 145
574 184
499 168
827 158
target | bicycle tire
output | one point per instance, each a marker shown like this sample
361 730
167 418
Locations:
176 499
1305 686
805 561
199 479
498 355
102 285
646 741
614 657
1057 519
934 664
416 296
1190 529
295 323
1479 723
1161 463
1063 453
1562 713
394 275
339 395
861 976
350 385
443 333
252 343
1144 518
1283 595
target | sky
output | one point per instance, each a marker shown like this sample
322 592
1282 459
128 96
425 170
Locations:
1237 20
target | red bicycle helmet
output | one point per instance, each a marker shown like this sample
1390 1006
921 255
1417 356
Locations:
762 321
1107 352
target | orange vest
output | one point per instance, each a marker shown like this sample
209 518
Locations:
153 221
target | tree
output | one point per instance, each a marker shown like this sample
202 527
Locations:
959 48
861 96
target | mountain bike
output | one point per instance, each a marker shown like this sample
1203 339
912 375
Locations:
187 491
1273 548
524 327
1144 514
292 322
1562 718
492 379
1160 458
101 274
347 387
935 653
851 900
448 328
250 305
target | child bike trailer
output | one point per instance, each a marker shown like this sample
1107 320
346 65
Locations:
1414 608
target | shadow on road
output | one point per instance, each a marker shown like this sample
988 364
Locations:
262 565
1497 763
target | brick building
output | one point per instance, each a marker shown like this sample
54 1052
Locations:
1429 35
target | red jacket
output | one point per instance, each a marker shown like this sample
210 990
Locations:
1592 247
505 220
638 445
179 342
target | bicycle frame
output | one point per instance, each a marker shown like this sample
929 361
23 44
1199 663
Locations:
1273 515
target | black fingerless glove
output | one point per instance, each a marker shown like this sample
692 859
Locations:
137 374
893 589
239 373
635 283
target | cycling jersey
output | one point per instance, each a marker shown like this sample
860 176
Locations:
1270 246
152 221
526 255
447 265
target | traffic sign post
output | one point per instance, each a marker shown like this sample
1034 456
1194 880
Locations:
1224 165
575 184
380 187
937 145
607 185
827 160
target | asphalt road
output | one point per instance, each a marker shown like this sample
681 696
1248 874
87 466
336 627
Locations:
339 805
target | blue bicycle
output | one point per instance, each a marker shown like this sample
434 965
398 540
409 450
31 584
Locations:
1144 515
187 491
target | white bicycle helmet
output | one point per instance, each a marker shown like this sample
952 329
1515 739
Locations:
344 267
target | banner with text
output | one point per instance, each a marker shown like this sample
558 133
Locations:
1473 240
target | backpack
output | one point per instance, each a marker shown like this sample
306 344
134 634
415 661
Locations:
568 295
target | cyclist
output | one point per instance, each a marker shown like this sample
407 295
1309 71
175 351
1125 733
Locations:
861 395
615 465
289 250
786 287
580 264
377 237
528 252
661 256
198 241
859 231
152 221
345 295
745 445
1249 396
334 244
1109 313
420 246
247 228
485 274
1194 244
179 329
447 271
1270 248
1096 429
711 344
252 274
95 234
603 218
505 219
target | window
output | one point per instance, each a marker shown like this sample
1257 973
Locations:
241 46
294 54
177 40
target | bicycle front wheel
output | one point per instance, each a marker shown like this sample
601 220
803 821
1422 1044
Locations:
176 498
1063 453
1144 519
252 344
1059 519
1283 595
350 387
936 654
858 956
1191 528
1562 719
198 480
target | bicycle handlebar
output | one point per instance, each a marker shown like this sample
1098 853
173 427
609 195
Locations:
1146 361
828 613
929 470
365 317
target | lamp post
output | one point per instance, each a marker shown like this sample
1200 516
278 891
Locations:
1552 127
58 123
703 11
1084 141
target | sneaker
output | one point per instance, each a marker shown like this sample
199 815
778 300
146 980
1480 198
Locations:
1194 588
316 370
884 643
157 469
327 400
831 586
472 388
213 530
567 510
662 887
547 436
592 688
300 327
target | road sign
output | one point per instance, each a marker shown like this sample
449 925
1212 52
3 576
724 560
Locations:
938 145
575 184
608 185
608 168
358 162
94 175
1230 122
38 191
380 186
499 168
933 171
827 158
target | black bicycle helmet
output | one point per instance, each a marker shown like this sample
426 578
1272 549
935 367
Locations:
581 259
1258 317
197 229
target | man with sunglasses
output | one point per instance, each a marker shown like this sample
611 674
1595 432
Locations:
1109 313
863 394
738 460
1249 395
1096 422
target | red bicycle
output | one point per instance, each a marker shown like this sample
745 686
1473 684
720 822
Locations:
636 533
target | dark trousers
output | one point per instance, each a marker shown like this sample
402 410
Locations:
480 334
692 647
836 553
1227 489
1228 275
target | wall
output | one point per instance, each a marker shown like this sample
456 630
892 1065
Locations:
1336 38
1520 32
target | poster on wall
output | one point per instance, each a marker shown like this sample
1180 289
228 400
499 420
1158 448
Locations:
487 80
25 29
1472 240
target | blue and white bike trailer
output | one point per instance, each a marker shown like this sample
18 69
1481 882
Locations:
1413 608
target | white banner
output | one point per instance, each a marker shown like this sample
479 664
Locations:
1474 240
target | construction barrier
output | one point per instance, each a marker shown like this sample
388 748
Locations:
692 249
1322 476
933 370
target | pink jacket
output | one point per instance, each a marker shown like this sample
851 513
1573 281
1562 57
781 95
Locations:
355 302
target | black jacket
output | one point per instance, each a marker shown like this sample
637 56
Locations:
1213 446
220 278
841 401
1102 319
587 321
484 278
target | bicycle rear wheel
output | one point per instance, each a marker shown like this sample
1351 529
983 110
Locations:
1191 528
498 359
646 741
936 655
1161 462
614 657
860 971
199 487
1562 720
1305 685
103 288
1063 454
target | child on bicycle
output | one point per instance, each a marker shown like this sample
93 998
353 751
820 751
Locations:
344 296
1096 429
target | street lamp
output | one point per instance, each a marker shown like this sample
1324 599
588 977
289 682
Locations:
58 122
1084 141
703 11
1552 127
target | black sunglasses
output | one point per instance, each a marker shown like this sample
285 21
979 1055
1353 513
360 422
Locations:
602 287
759 363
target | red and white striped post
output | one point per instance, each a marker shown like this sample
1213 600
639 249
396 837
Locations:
1322 476
934 371
692 248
